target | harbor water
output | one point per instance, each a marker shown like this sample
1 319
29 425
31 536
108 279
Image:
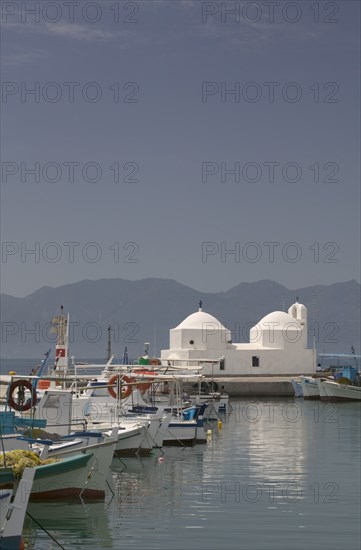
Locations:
275 474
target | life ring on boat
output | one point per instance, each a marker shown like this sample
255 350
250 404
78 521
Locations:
144 386
126 389
19 404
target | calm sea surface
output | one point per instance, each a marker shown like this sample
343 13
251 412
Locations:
278 475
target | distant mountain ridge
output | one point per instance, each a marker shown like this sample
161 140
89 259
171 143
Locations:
145 311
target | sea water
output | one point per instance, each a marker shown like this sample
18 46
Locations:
277 474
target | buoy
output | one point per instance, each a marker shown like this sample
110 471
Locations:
209 432
22 545
219 424
12 373
160 459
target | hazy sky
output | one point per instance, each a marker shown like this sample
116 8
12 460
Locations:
152 139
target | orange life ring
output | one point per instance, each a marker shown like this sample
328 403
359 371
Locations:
126 391
21 386
144 386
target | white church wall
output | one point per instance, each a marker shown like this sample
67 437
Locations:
278 345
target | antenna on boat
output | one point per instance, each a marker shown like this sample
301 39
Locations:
146 348
283 302
154 340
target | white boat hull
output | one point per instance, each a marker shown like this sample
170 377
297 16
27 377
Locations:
341 392
67 485
64 479
297 387
309 388
131 441
102 456
321 388
152 424
184 433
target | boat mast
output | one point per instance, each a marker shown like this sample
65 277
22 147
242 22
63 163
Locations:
61 328
314 329
109 348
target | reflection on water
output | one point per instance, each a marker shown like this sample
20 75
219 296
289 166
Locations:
84 525
279 474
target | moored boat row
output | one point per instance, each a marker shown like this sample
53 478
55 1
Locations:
344 386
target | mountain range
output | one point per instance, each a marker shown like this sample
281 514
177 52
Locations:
145 310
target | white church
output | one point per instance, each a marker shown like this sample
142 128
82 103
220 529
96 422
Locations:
278 345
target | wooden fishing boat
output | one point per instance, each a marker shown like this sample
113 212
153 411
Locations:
340 392
65 479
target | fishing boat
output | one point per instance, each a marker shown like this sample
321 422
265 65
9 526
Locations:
186 426
345 382
101 458
85 476
164 424
336 391
309 387
13 506
115 402
67 411
63 411
139 390
131 439
66 478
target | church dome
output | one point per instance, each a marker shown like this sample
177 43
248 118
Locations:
277 320
199 320
277 330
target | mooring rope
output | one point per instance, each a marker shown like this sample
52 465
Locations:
45 531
